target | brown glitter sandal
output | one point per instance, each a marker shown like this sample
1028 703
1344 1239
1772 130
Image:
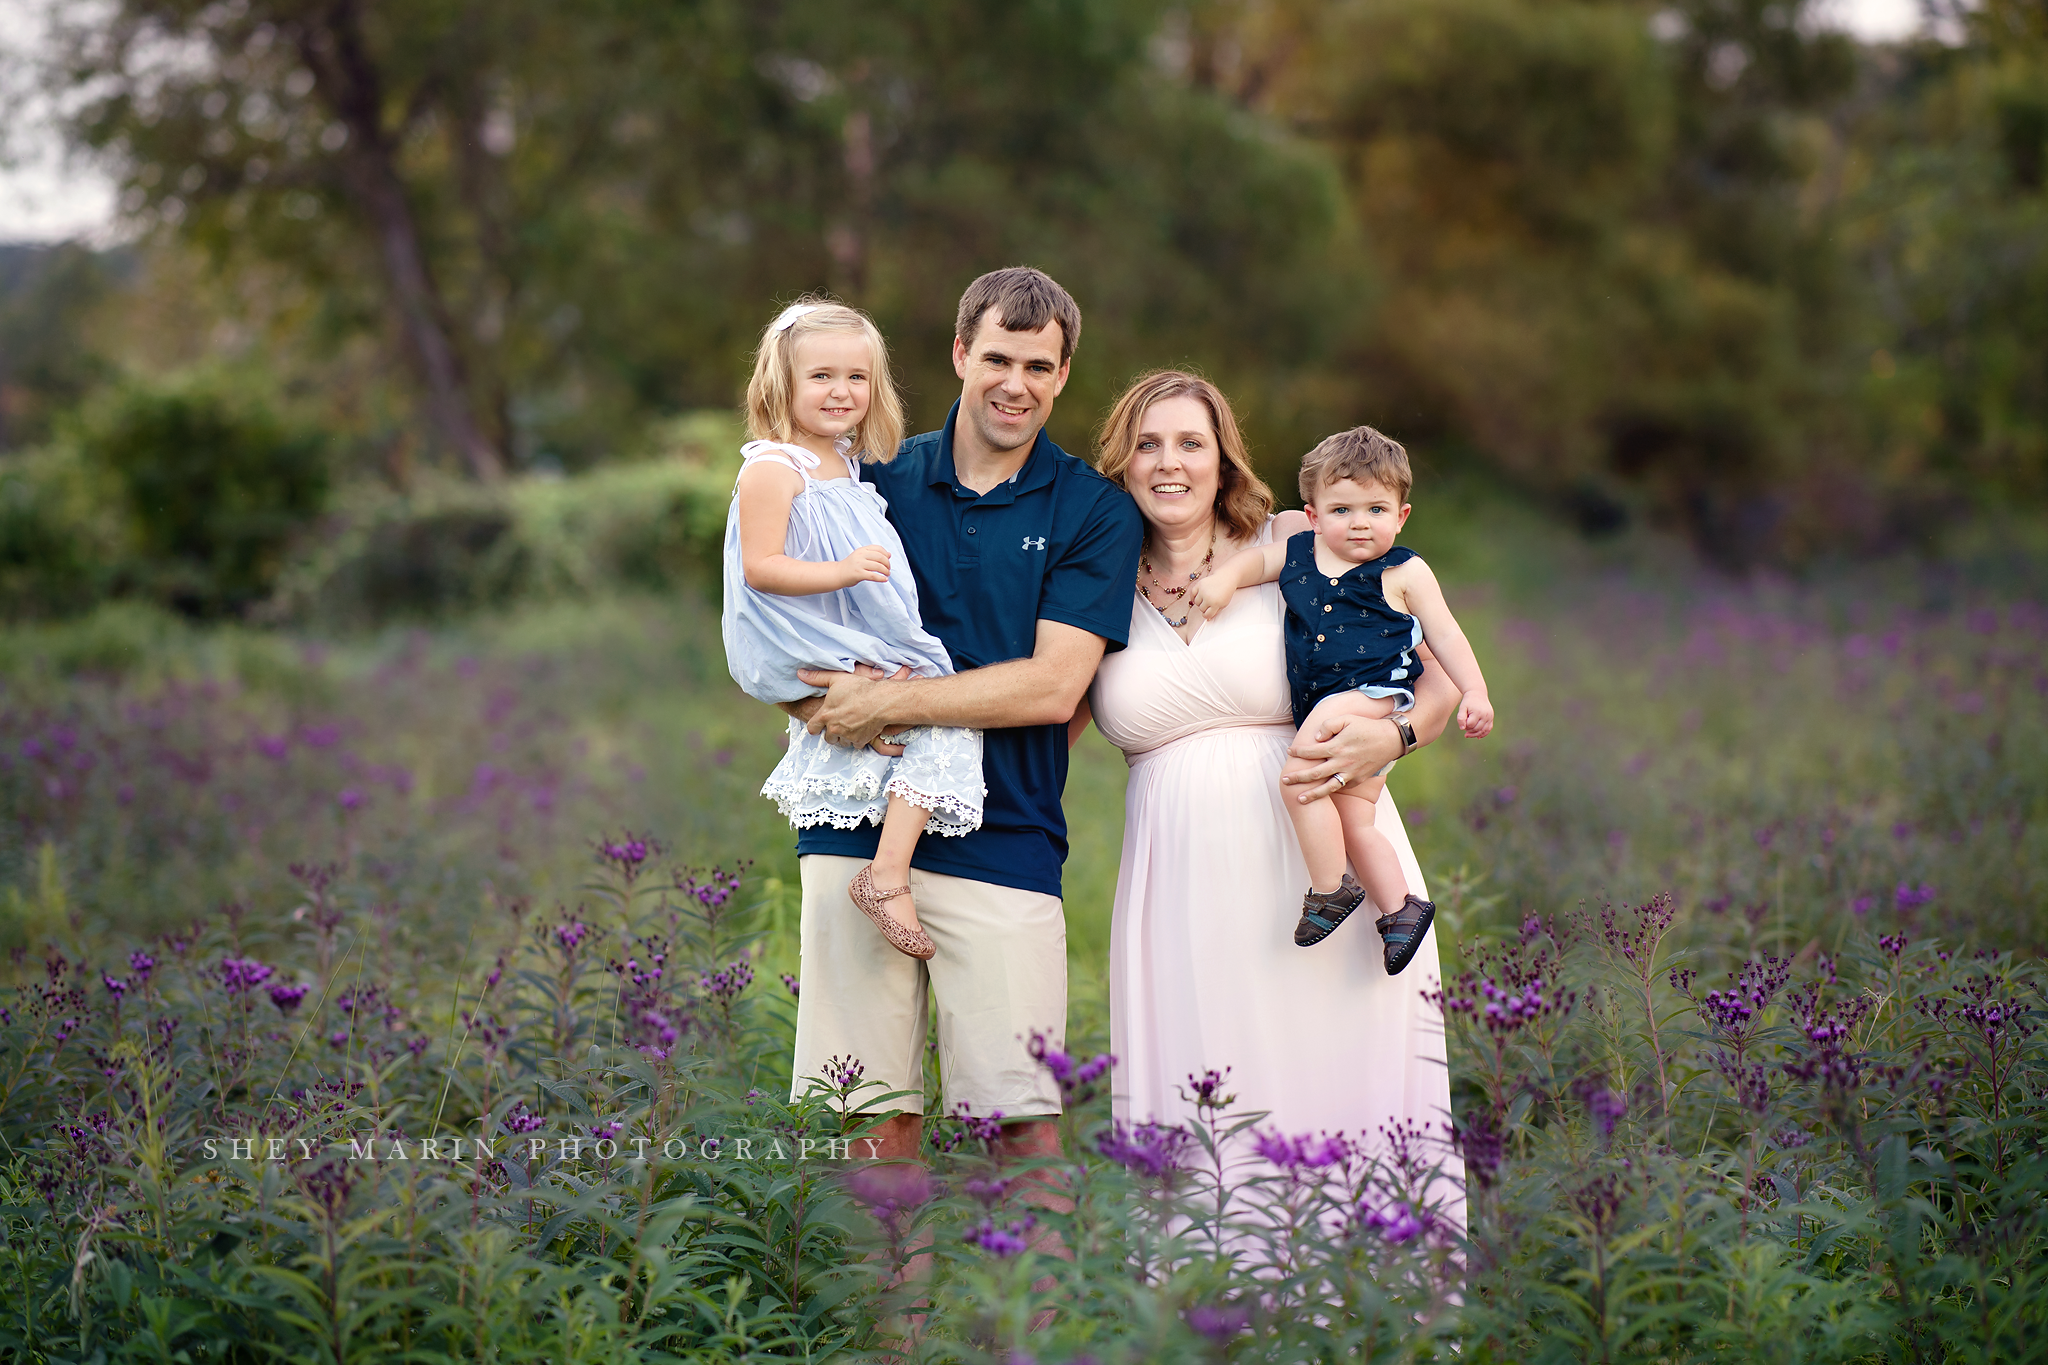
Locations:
910 942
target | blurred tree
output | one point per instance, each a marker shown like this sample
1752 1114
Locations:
262 116
584 211
1597 268
47 358
1952 234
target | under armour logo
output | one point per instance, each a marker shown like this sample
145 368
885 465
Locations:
1034 544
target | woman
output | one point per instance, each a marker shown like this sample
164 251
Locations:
1203 972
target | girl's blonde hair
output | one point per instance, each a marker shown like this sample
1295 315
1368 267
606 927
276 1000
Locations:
769 392
1243 501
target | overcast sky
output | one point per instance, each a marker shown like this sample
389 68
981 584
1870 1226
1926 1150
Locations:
44 198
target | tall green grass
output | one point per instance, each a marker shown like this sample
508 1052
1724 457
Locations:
1741 913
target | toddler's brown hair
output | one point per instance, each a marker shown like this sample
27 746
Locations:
1362 455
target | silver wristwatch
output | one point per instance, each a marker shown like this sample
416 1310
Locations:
1407 729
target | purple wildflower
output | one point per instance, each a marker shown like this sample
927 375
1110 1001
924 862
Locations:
287 998
608 1130
141 964
1398 1222
1482 1143
1076 1080
1219 1321
889 1188
349 798
843 1073
1299 1155
523 1120
1153 1150
116 987
790 984
240 975
1002 1242
1906 897
570 934
725 984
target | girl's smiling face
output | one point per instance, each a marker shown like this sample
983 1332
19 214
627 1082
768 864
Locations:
830 394
1357 522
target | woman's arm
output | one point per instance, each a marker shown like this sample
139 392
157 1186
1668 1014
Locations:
1356 746
765 493
1082 715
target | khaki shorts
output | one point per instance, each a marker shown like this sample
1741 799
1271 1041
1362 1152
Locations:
1000 972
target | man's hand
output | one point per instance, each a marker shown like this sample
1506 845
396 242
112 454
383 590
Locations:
1356 746
849 715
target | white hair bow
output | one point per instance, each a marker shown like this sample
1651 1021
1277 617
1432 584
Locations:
788 316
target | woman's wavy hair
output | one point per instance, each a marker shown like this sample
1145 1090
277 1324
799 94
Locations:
769 392
1243 501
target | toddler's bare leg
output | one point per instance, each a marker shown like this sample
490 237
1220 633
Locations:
1318 826
1373 860
902 825
1318 830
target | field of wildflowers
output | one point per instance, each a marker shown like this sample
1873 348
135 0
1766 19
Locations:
429 996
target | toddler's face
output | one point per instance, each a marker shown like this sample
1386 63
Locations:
832 382
1357 522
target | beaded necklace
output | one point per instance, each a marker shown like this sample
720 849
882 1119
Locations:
1179 589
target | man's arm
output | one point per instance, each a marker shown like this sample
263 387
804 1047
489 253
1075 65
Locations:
1359 748
1041 690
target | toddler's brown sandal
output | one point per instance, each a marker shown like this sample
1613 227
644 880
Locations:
1403 931
910 942
1321 914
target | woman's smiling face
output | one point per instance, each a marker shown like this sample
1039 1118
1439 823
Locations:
1176 469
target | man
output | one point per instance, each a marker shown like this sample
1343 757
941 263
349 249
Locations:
1024 559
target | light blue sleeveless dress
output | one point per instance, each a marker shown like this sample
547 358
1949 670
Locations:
769 637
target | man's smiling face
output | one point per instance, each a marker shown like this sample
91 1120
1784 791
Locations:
1009 381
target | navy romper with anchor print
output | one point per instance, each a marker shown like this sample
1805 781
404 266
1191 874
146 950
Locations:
1341 634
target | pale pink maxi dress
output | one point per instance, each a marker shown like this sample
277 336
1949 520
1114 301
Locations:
1204 972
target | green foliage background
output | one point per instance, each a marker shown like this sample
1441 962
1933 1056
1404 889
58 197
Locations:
1706 264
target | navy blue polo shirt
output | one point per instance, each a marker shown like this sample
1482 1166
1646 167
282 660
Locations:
1056 543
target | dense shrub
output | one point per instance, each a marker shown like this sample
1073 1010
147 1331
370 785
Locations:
654 524
214 486
59 548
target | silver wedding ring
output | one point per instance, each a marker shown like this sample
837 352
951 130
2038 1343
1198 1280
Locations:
1339 779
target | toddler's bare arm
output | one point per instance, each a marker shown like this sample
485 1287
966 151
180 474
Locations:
1424 600
1249 568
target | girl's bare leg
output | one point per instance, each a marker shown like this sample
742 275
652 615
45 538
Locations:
902 826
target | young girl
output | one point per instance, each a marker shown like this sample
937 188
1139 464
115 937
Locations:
815 578
1357 606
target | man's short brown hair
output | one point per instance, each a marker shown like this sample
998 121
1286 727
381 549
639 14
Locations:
1361 455
1025 299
